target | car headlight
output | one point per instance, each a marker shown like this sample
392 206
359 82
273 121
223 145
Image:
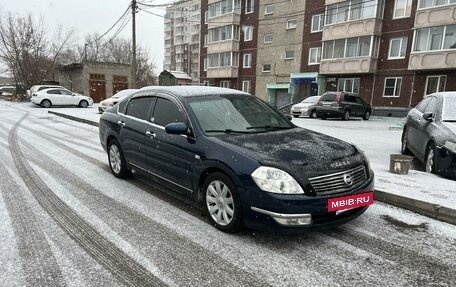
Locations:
274 180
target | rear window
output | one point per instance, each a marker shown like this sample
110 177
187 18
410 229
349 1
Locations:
329 98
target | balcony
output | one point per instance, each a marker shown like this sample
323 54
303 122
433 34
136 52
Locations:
360 65
432 60
223 46
435 16
223 72
329 2
363 27
223 20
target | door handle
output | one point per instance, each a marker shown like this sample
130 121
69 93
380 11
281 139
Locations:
151 135
121 124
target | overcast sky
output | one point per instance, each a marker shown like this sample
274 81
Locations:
89 16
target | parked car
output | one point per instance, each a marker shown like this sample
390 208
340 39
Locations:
60 97
7 90
430 133
239 159
305 108
37 88
343 105
103 105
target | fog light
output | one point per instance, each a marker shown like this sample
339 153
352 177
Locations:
294 221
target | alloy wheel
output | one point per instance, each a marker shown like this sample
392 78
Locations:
220 203
430 160
115 159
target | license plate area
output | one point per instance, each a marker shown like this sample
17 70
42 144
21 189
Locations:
345 203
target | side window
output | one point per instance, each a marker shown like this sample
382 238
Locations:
123 106
54 92
139 108
68 93
422 105
359 101
432 106
166 112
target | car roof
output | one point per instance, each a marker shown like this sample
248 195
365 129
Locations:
193 91
53 88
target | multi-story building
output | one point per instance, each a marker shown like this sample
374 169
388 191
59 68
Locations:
228 45
280 40
182 38
391 52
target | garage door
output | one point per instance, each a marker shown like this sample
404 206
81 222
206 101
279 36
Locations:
283 98
97 87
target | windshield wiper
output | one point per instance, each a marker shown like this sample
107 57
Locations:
269 127
227 131
450 121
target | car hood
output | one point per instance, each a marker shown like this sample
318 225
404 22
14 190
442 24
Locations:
451 127
297 146
109 101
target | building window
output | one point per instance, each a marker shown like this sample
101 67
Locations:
289 55
269 9
248 33
434 3
348 85
249 4
225 84
352 10
268 38
351 47
392 87
435 38
435 84
314 56
225 59
229 32
97 77
402 8
246 86
292 24
266 68
224 7
247 61
205 40
205 64
317 23
397 48
206 83
206 16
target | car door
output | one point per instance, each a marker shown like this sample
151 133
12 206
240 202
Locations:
132 133
68 98
170 157
361 106
426 126
55 97
413 124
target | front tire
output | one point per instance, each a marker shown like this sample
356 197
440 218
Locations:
430 158
117 161
83 104
222 203
366 116
404 149
313 114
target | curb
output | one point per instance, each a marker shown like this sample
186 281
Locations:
432 210
89 122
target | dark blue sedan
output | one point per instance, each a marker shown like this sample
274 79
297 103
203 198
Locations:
241 160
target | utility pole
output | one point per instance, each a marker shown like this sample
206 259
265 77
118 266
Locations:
133 32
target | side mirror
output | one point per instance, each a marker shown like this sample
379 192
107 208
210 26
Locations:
178 128
428 116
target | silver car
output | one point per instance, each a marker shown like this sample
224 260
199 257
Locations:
306 107
109 102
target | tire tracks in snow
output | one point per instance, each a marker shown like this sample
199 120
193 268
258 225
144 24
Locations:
100 248
176 253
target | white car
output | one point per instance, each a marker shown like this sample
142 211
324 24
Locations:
105 104
306 107
60 97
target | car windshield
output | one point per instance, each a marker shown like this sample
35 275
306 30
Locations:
236 114
311 100
329 98
449 109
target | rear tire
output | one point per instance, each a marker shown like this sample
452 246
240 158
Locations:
346 115
46 104
222 203
366 116
116 160
313 114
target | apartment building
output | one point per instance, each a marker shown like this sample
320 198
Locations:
182 38
391 52
279 48
228 45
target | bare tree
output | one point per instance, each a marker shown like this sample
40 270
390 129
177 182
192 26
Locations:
119 50
26 50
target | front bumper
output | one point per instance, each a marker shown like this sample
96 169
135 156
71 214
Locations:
263 211
445 163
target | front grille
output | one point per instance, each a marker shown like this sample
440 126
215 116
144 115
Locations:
335 183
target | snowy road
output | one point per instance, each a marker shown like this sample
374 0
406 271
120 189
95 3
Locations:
66 221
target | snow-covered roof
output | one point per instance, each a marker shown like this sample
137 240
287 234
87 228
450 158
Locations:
179 75
190 91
